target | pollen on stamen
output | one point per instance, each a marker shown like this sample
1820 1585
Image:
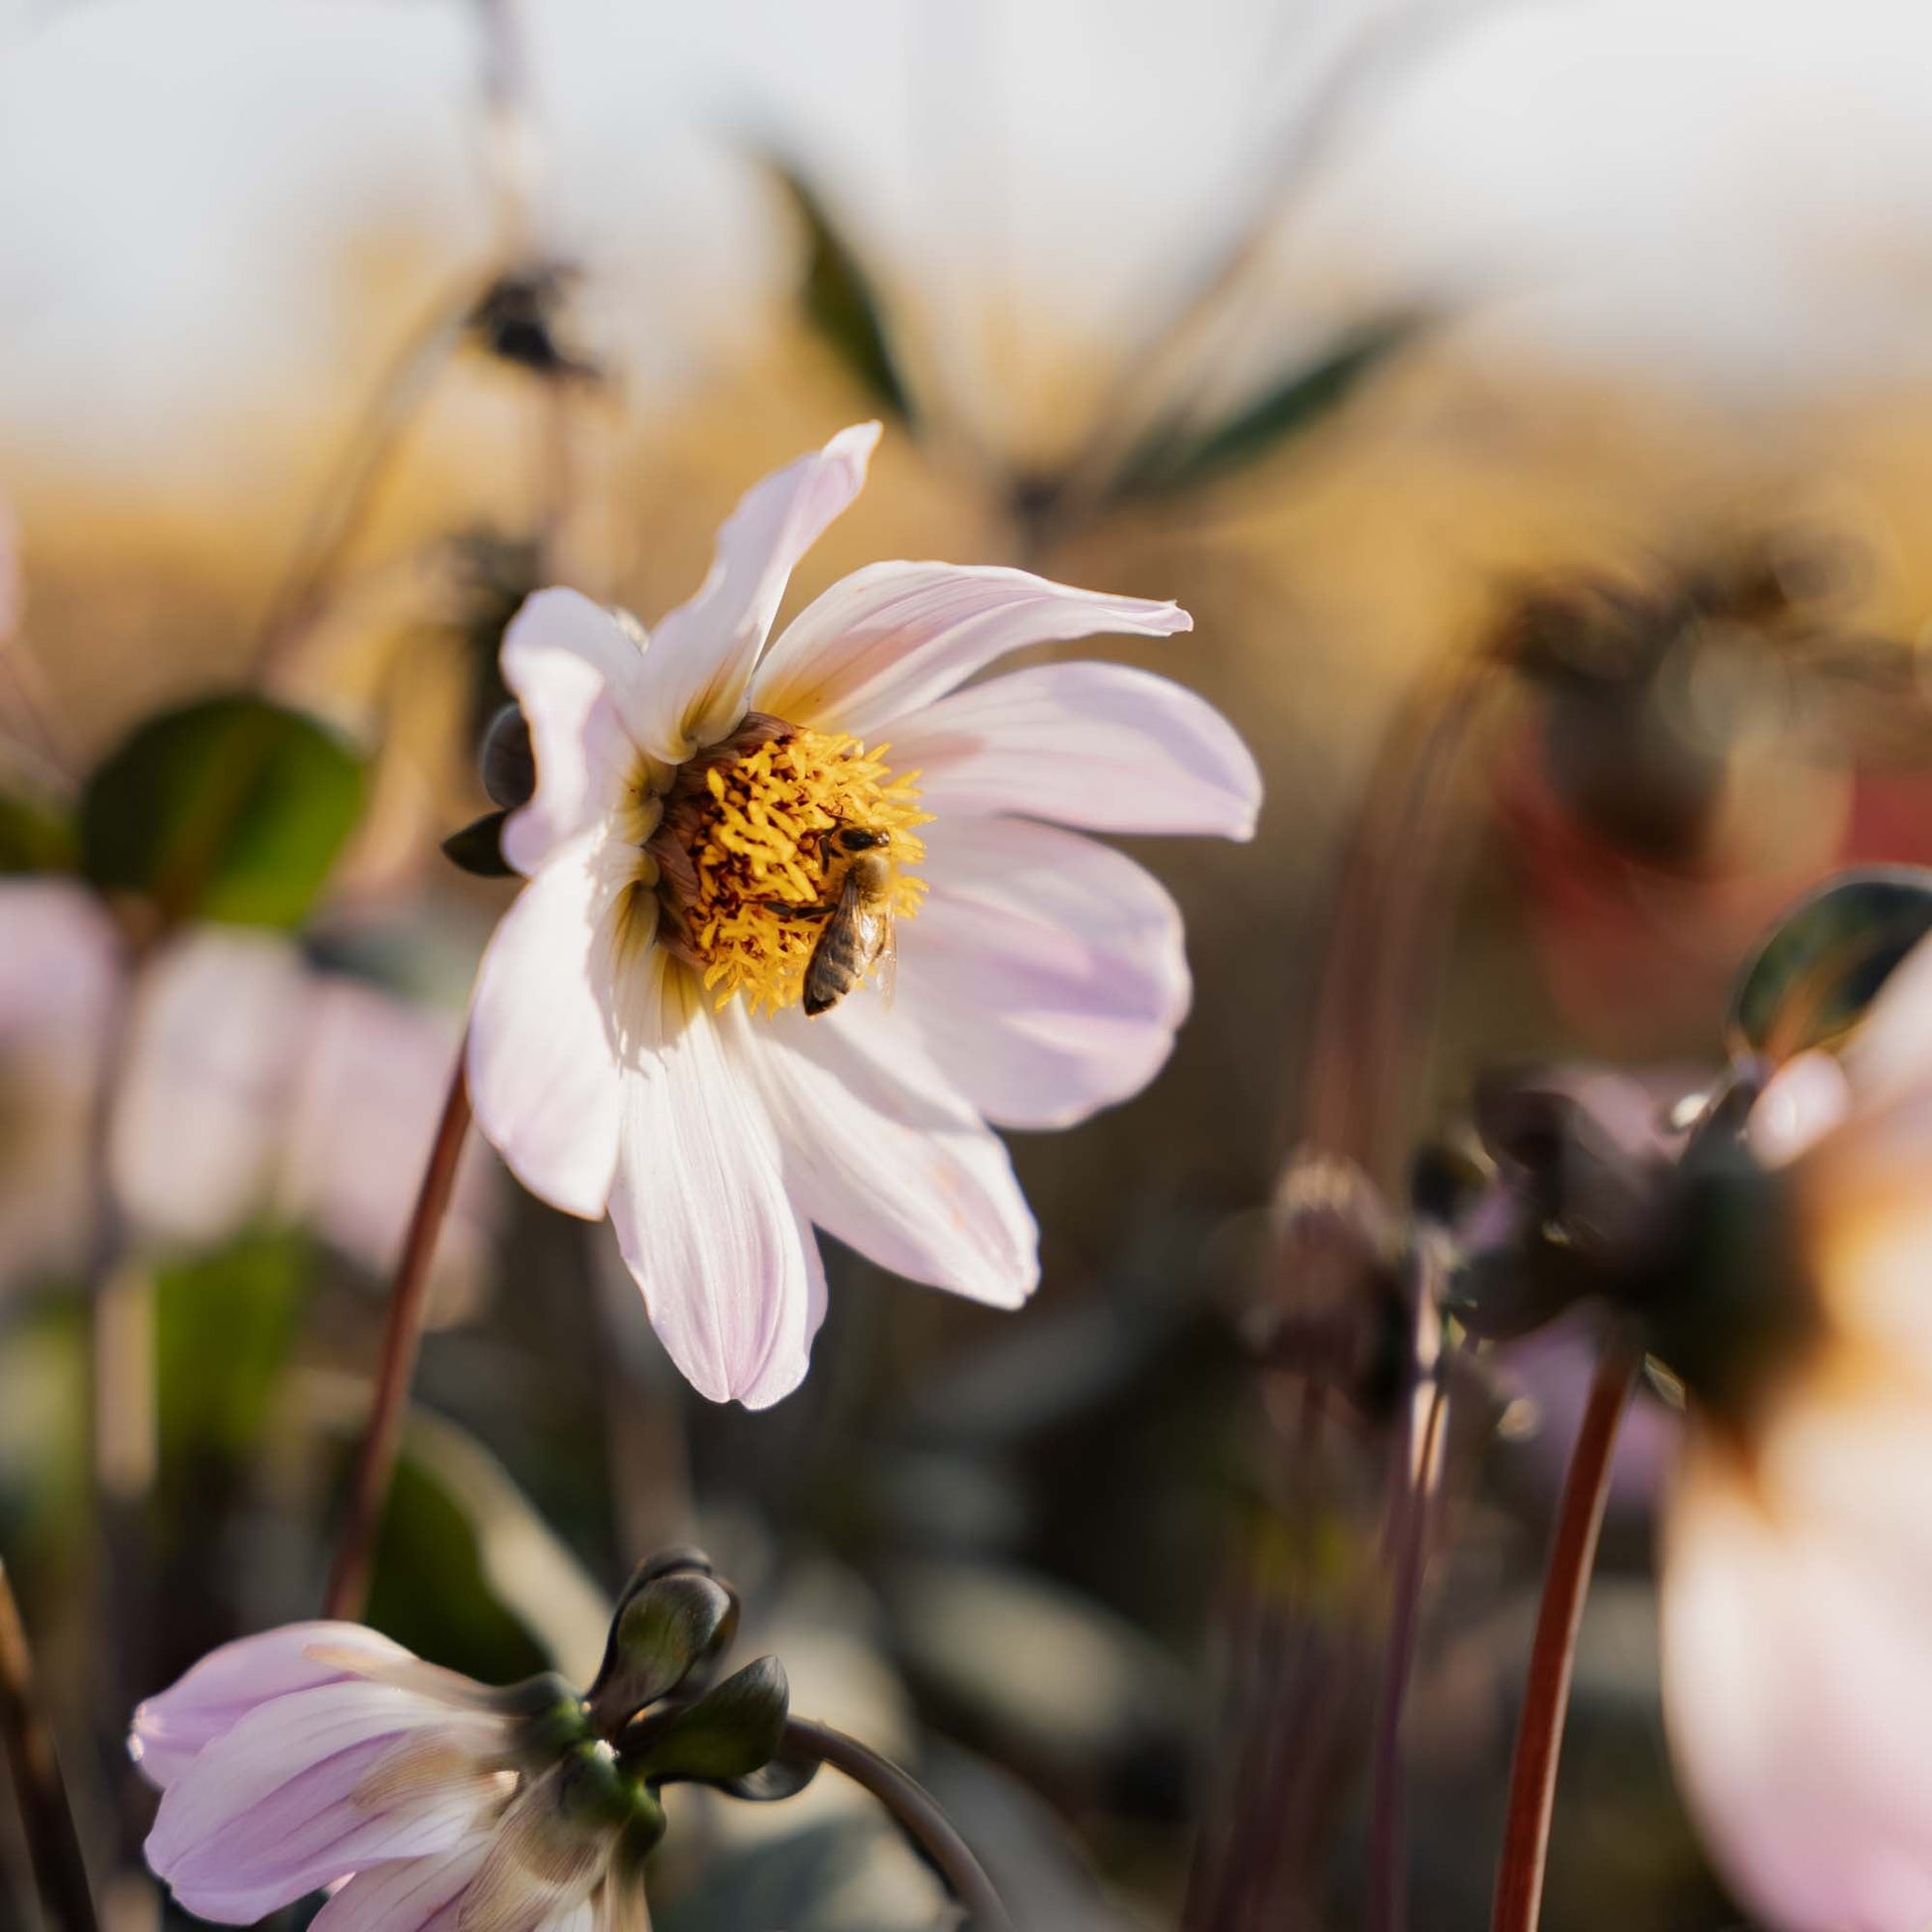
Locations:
748 854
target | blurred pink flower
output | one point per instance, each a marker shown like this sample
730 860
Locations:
1797 1547
248 1086
255 1086
640 1041
60 987
320 1754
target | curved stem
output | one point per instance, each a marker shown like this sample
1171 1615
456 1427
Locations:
1546 1692
1387 1860
52 1844
913 1809
349 1578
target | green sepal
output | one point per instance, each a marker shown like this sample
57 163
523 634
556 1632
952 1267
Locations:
479 848
728 1736
1810 980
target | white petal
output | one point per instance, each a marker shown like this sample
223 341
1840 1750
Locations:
576 674
1044 972
543 1069
213 1049
210 1699
1797 1679
701 655
729 1269
880 1151
317 1784
1103 746
893 638
410 1895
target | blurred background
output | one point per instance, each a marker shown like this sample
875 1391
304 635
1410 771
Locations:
1556 367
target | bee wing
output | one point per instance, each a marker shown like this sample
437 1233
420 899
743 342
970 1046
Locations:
886 970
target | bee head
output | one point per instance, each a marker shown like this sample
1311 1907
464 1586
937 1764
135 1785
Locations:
857 838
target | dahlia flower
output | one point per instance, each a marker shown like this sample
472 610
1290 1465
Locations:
682 1021
324 1755
1796 1553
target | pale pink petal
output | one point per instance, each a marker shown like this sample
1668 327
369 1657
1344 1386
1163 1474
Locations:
1797 1679
701 656
543 1071
1102 746
730 1273
894 637
210 1699
212 1054
410 1895
1045 972
374 1071
317 1784
61 981
883 1152
1802 1102
1891 1050
576 672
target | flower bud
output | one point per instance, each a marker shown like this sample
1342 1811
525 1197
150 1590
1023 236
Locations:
674 1622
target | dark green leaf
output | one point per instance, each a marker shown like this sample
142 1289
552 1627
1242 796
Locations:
1172 460
35 837
223 1326
232 810
839 301
1810 981
478 848
430 1592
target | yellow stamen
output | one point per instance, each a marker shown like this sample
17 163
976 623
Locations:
754 830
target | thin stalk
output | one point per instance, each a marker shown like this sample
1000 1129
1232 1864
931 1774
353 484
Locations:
913 1809
1552 1654
349 1578
52 1844
350 495
1387 1857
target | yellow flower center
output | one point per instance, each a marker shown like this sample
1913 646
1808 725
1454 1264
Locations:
754 844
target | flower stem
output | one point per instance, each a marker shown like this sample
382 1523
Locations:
1552 1654
915 1810
52 1844
349 1578
1387 1857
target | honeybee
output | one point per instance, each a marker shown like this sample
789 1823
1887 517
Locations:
859 932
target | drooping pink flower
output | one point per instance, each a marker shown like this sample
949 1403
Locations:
1796 1547
323 1755
641 1041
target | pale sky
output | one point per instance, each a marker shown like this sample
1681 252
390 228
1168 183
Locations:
1736 192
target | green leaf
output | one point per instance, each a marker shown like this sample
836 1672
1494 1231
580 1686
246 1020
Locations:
470 1574
839 301
479 848
35 837
1809 982
1171 460
224 1324
230 809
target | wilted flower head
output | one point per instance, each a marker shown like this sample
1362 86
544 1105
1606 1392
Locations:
1777 1260
681 1018
322 1755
